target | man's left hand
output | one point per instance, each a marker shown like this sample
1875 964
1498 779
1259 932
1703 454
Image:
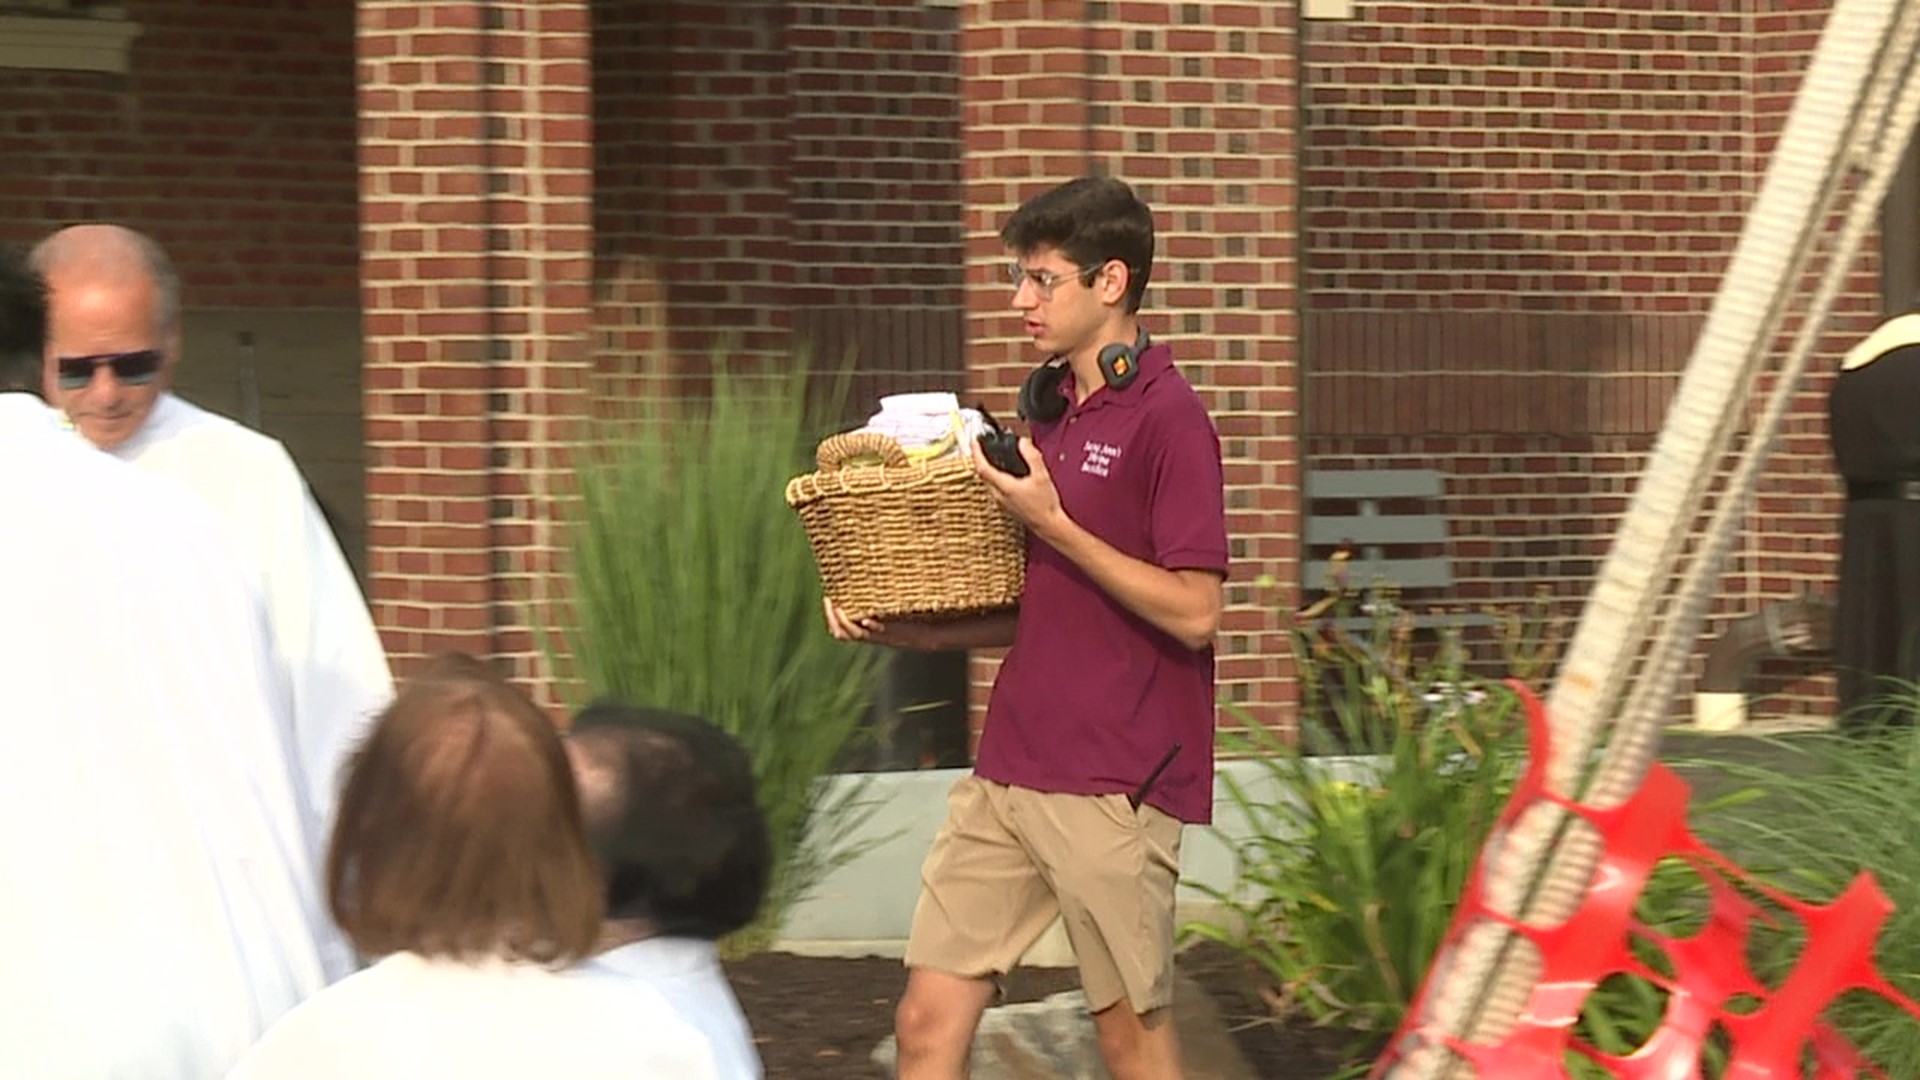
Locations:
1031 499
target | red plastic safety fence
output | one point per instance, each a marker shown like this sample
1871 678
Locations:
1772 1031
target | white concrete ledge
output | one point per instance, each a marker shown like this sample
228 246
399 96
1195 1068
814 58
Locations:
866 906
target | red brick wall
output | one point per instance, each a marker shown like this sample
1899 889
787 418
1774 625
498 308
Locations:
1516 219
691 143
1793 540
1194 105
876 192
774 176
476 169
229 141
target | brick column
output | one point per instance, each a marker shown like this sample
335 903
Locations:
1194 105
476 256
695 206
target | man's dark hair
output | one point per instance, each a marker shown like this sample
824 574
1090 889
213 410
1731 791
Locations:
23 322
672 816
1091 221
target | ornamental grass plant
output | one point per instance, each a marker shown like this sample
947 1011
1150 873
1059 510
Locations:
1833 804
691 586
1360 834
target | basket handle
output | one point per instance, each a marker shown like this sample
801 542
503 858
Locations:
836 450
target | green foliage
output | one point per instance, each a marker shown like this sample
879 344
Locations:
691 586
1352 866
1803 813
1624 1010
1834 805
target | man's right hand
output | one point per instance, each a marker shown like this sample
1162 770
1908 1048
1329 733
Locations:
844 628
980 632
873 631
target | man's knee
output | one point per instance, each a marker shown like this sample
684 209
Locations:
1138 1045
937 1015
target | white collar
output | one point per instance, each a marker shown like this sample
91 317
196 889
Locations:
1897 332
661 954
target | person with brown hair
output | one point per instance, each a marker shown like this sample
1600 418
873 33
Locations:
459 860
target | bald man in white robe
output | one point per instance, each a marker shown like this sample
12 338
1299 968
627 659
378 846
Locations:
113 344
159 903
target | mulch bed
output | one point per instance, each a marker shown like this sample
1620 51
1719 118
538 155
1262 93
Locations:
818 1018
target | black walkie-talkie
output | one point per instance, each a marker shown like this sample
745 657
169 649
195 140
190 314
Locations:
1001 447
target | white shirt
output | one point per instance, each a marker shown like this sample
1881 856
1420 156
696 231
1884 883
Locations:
410 1018
158 902
687 972
332 661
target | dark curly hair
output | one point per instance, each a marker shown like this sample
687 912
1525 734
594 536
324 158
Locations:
672 816
23 322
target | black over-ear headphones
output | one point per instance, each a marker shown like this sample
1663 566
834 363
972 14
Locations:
1040 400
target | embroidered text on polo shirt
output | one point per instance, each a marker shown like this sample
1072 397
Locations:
1099 457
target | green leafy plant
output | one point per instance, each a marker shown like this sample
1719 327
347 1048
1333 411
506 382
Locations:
1530 636
691 586
1360 835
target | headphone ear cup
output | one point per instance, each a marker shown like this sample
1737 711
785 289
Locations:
1040 400
1120 363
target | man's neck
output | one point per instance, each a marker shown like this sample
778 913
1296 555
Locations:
615 933
1085 362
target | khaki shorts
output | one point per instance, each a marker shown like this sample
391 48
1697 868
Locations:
1009 859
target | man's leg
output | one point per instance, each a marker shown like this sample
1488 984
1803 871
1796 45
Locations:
1138 1046
982 904
935 1021
1113 868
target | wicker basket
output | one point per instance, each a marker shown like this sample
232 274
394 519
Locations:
904 540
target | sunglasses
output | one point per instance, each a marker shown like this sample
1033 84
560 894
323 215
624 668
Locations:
136 368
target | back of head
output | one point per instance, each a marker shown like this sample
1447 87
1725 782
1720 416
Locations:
459 833
672 815
1091 221
23 323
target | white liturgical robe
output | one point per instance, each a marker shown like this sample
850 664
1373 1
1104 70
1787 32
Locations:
412 1018
687 973
334 663
159 905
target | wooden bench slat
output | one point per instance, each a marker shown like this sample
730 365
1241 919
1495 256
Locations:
1426 580
1374 484
1327 530
1434 573
1421 621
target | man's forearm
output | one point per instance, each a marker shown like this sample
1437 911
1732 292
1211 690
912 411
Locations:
993 630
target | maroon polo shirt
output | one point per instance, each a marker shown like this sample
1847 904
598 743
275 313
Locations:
1091 696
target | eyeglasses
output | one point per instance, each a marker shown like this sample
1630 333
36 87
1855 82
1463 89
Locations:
136 368
1045 280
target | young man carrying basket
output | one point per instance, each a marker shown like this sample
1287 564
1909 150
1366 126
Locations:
1098 741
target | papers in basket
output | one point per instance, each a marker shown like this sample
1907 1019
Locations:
928 426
